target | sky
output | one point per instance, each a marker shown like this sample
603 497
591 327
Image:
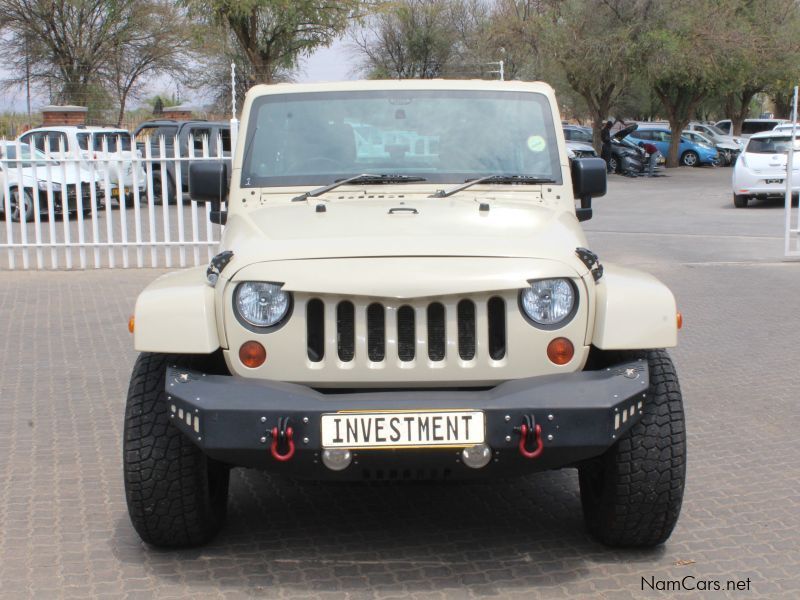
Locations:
335 63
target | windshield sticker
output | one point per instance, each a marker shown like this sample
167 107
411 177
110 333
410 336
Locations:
536 143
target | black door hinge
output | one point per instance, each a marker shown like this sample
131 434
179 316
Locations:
591 261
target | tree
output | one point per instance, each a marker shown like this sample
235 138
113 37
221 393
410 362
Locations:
768 49
159 40
408 39
595 45
690 54
272 34
68 42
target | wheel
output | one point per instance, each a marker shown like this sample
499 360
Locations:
176 495
17 213
690 159
740 201
631 495
613 165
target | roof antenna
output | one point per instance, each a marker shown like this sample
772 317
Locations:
234 120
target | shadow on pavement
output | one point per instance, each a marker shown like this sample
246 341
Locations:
350 537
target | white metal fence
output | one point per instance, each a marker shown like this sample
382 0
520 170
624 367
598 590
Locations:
63 208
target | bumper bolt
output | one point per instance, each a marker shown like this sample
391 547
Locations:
263 419
550 417
508 438
507 418
550 438
263 440
305 419
305 440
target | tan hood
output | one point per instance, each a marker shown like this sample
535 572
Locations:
404 226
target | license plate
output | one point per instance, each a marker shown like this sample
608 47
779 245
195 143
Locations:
402 429
774 180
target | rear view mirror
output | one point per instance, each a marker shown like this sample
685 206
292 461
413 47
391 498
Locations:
208 182
589 178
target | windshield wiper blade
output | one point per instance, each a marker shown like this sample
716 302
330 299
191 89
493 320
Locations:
506 178
362 178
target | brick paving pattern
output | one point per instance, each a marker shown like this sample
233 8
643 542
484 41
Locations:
64 529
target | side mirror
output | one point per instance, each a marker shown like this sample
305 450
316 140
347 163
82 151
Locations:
208 182
589 178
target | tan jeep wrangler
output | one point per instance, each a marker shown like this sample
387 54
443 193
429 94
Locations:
404 292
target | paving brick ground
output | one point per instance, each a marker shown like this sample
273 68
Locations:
64 530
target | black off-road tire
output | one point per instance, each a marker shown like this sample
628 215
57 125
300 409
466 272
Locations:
740 200
632 494
176 495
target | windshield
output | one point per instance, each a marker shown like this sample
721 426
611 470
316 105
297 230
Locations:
111 138
442 135
10 152
771 145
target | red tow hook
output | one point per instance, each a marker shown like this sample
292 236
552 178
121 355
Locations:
523 439
277 436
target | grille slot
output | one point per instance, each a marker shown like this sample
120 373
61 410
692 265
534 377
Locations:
496 308
436 332
406 334
466 329
346 331
376 332
315 330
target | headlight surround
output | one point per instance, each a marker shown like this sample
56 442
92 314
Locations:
261 304
549 303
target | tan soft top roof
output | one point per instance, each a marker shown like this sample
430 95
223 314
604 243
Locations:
401 84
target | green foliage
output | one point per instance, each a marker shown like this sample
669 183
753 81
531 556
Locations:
271 35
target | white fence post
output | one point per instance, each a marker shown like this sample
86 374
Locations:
791 234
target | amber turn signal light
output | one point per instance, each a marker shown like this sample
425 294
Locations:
131 323
252 354
680 320
560 351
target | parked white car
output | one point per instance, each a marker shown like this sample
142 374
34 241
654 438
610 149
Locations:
760 171
31 178
106 150
786 127
749 126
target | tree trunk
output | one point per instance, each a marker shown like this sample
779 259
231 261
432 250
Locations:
738 107
123 99
676 126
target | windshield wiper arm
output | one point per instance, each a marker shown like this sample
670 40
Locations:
525 179
363 178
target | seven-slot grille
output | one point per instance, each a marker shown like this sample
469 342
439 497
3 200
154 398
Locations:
415 331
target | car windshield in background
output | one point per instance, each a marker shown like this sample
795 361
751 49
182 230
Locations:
442 135
168 132
10 152
771 145
112 139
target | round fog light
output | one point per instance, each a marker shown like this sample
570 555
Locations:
560 351
476 457
337 459
252 354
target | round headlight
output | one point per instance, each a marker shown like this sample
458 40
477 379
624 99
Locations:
548 301
261 304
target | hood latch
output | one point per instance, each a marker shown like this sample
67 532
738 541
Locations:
591 261
218 263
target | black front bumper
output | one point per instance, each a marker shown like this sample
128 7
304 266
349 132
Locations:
580 414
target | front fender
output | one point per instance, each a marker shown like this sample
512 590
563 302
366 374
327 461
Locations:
634 311
175 314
